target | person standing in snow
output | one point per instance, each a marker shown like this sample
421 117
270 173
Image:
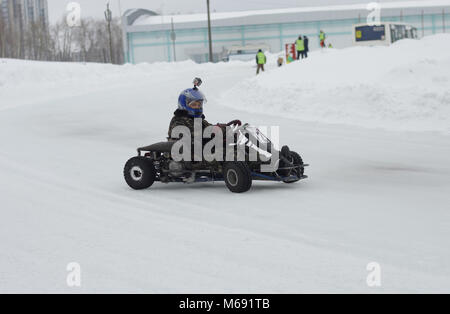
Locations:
300 44
306 42
260 61
322 38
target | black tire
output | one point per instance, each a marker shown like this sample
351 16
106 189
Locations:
285 151
139 173
238 176
297 161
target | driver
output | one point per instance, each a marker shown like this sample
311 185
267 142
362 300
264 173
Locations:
190 107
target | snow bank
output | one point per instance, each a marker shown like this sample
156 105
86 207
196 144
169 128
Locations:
22 73
401 87
24 82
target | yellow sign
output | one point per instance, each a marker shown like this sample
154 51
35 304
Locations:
358 34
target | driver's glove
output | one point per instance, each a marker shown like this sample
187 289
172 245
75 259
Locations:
235 122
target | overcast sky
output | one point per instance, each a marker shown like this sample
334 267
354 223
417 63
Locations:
96 7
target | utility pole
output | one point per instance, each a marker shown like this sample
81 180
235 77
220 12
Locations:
108 18
209 33
443 20
2 29
423 23
173 37
120 11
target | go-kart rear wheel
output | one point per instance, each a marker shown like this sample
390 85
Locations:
238 176
139 173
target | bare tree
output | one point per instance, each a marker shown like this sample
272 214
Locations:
88 42
2 37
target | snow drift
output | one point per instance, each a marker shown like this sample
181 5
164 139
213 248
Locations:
401 87
45 81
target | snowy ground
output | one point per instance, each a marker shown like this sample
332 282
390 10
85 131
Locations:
374 195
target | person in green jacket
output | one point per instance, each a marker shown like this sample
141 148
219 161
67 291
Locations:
300 44
322 38
260 61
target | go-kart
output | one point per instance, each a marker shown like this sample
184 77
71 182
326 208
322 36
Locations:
155 163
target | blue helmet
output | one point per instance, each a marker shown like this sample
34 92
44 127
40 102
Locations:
191 100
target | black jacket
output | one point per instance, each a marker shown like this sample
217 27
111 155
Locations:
182 118
306 41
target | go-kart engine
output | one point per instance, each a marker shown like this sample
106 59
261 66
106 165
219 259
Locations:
176 169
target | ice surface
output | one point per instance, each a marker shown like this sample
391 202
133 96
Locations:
374 195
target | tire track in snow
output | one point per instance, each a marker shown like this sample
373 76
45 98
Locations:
57 183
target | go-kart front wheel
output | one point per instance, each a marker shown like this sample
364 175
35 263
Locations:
238 176
297 161
139 173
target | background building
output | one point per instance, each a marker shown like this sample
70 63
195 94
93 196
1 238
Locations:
147 35
37 11
24 29
18 14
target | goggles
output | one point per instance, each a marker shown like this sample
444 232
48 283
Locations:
196 104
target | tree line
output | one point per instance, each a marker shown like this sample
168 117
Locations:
88 42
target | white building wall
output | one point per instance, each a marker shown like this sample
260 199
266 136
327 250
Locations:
151 42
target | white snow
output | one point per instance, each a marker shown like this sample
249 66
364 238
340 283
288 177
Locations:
374 195
402 87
